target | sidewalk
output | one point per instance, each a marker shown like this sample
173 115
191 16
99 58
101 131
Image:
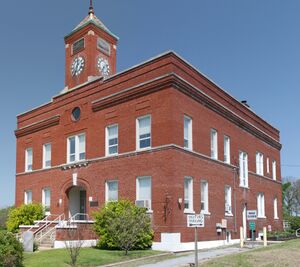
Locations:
181 261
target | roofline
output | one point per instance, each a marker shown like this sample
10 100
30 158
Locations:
91 22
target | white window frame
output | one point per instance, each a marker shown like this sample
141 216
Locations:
44 155
47 209
138 190
26 201
107 190
77 152
227 199
274 174
275 204
243 169
261 205
204 197
27 162
107 146
190 196
259 163
189 139
138 133
226 149
268 165
214 144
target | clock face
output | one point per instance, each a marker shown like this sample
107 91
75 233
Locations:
77 66
103 66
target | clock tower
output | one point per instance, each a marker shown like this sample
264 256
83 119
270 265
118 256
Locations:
90 51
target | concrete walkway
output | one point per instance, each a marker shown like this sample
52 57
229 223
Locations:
185 260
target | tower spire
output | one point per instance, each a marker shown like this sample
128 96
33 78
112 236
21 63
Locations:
91 9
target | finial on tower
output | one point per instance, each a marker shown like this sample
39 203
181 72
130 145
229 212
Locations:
91 9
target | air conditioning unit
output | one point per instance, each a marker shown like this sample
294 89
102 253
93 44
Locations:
227 208
145 203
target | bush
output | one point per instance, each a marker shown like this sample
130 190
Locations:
294 223
3 217
24 215
122 225
11 250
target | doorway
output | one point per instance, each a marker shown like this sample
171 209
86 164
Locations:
77 203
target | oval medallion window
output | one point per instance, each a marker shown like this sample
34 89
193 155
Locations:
76 114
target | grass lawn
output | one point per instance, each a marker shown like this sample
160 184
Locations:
88 257
284 254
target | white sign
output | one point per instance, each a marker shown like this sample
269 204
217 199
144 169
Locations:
251 215
196 220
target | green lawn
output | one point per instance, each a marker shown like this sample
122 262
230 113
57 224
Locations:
284 254
88 257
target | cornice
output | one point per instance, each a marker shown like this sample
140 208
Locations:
172 80
37 126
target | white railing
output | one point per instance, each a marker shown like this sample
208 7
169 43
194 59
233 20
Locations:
298 232
48 228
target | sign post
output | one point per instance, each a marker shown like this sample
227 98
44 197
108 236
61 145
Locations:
196 221
252 216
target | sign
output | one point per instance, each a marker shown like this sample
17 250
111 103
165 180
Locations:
251 215
252 226
224 223
196 220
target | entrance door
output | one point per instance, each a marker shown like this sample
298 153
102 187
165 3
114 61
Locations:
82 204
245 221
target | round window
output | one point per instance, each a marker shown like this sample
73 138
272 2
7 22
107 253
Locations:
76 114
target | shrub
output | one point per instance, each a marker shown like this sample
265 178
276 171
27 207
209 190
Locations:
3 217
11 250
122 225
294 223
24 215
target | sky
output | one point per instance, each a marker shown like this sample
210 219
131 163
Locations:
250 48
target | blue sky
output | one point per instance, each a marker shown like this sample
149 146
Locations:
250 48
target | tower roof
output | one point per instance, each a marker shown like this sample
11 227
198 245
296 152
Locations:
91 18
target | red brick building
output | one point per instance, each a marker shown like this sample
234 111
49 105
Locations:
160 133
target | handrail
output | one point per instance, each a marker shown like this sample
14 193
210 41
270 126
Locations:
298 232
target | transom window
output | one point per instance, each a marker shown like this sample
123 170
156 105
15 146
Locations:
76 148
243 168
188 137
112 140
111 191
47 156
28 159
144 132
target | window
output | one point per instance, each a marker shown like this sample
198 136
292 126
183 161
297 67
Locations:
228 207
28 197
46 199
268 165
47 156
275 209
214 143
188 194
261 205
188 143
143 132
76 148
259 163
226 149
75 115
204 197
143 192
103 46
112 140
274 169
243 165
111 191
78 45
28 159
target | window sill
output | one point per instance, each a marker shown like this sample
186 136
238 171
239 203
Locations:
189 212
205 213
261 217
149 211
245 187
228 215
276 218
143 149
111 155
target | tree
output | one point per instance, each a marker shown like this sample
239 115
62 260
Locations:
291 197
122 225
3 217
24 215
74 246
11 250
